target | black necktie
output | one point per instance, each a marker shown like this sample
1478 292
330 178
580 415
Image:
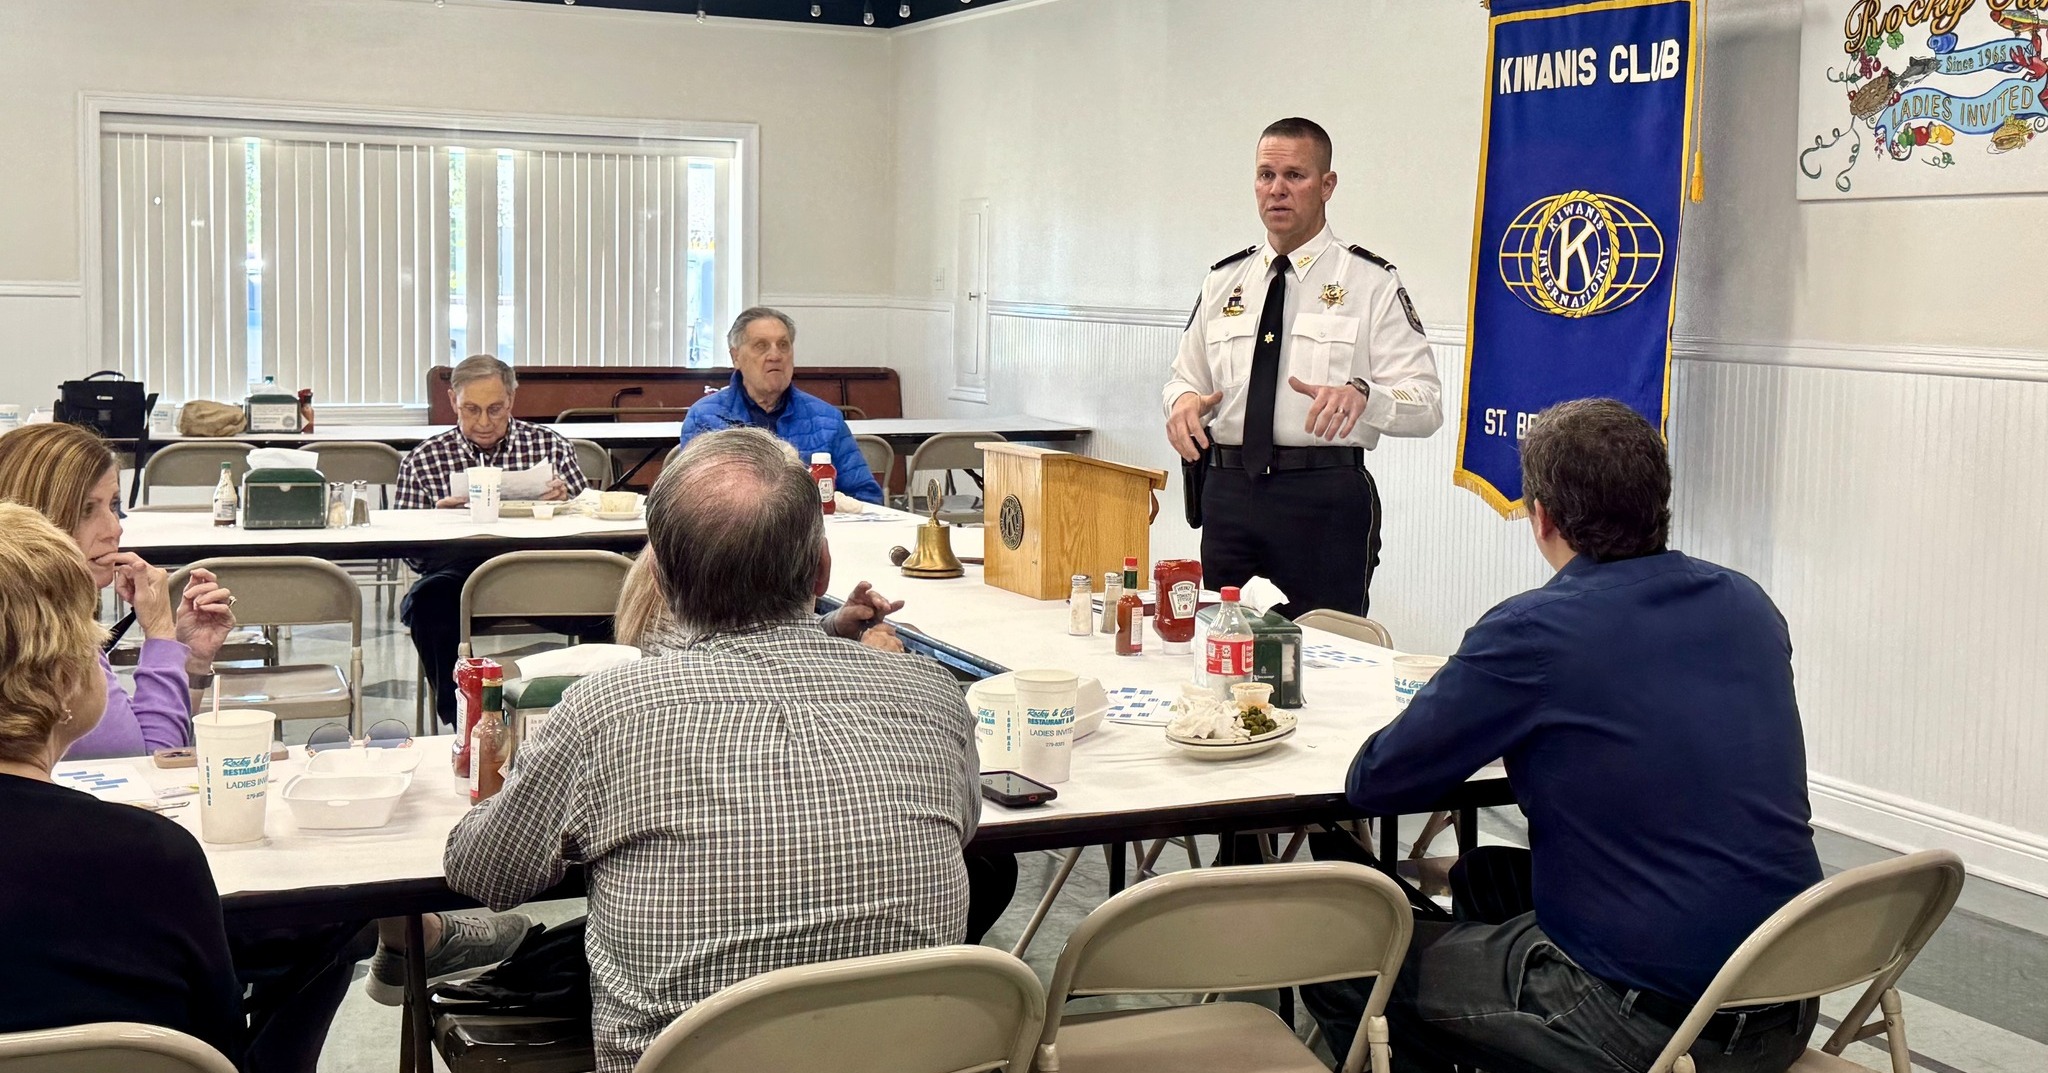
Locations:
1258 401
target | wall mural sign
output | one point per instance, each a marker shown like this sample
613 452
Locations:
1918 98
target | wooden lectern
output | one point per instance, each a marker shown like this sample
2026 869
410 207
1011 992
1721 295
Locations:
1052 514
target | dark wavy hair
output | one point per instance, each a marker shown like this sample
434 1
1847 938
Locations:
1602 474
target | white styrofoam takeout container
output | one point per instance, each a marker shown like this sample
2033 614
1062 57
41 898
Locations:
344 802
399 760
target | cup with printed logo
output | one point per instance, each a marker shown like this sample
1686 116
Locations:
998 725
1046 698
1411 673
232 748
10 416
484 485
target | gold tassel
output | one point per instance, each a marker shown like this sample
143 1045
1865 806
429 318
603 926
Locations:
1699 174
1698 193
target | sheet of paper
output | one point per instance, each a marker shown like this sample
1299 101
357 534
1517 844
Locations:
110 782
517 484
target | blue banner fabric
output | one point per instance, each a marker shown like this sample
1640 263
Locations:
1582 180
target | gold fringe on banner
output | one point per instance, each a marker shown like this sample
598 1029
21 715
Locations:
1698 192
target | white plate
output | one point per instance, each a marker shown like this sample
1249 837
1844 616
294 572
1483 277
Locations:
1211 749
618 515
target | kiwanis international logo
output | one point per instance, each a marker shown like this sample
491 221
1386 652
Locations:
1580 254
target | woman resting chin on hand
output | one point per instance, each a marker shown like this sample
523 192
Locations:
68 474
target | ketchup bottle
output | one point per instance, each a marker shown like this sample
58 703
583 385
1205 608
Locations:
826 476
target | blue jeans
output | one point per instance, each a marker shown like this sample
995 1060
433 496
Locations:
1502 997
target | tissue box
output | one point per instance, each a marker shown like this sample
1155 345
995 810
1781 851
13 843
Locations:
284 499
272 413
528 702
1276 657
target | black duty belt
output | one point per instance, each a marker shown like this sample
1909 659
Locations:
1286 458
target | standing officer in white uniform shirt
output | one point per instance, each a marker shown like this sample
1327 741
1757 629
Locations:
1300 354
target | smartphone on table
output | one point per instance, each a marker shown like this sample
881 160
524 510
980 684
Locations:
1011 790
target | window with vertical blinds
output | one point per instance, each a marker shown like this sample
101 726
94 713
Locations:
352 260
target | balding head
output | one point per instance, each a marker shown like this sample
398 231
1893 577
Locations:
736 533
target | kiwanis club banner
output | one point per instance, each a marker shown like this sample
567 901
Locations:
1582 175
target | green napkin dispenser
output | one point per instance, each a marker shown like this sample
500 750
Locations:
284 499
528 702
1276 657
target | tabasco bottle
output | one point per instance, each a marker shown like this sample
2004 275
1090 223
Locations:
1130 613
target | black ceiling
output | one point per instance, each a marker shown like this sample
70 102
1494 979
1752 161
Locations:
833 12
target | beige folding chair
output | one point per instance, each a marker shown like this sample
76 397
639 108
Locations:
1865 924
853 413
1356 627
949 1009
1223 930
946 453
290 590
523 585
595 462
880 457
193 465
109 1047
375 464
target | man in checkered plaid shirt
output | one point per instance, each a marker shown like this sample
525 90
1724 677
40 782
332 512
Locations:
759 795
485 434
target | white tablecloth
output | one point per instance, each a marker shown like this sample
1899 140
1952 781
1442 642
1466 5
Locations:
145 530
1119 769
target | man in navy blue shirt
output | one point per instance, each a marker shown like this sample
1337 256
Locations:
763 346
1643 703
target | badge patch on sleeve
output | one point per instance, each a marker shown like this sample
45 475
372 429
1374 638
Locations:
1408 307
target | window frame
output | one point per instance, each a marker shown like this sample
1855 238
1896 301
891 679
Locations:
741 214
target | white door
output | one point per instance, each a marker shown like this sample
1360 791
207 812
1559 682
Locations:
970 304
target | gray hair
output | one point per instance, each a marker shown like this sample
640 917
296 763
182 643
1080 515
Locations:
482 367
736 533
1601 472
738 332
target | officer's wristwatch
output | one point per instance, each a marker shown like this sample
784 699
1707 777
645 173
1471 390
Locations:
1364 388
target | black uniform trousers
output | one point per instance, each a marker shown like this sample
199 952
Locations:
1313 532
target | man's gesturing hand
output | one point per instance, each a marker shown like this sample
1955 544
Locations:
1184 425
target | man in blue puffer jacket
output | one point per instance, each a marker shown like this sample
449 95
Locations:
763 344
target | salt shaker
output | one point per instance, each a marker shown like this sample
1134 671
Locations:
337 505
1080 611
361 498
1112 591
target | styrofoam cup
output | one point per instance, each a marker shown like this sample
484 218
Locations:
233 752
484 483
10 416
1047 698
1411 673
998 726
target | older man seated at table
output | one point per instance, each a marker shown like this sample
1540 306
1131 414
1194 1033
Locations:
1643 702
481 389
763 346
761 794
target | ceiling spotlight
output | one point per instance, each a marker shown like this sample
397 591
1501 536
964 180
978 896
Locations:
817 10
903 11
867 13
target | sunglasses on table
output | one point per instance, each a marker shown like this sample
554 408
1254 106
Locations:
382 734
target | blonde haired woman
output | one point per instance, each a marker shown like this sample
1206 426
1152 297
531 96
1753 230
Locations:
79 948
68 474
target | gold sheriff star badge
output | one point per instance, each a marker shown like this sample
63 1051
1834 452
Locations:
1333 296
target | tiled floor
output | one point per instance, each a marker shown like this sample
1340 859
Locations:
1976 1000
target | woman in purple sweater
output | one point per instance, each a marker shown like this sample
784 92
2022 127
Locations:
68 474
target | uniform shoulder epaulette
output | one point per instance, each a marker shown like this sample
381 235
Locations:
1373 257
1235 257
